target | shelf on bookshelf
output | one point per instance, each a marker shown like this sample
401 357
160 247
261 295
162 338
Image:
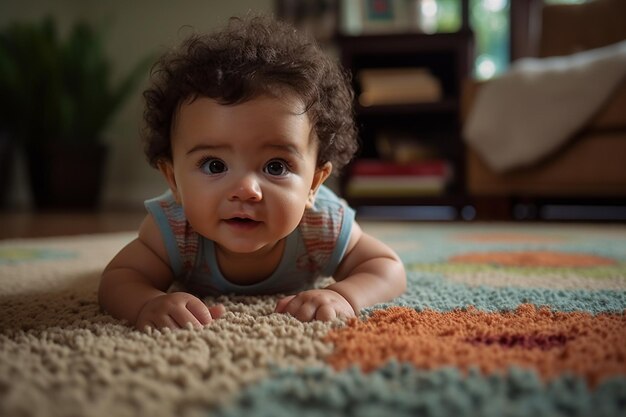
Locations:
448 105
412 41
447 199
442 210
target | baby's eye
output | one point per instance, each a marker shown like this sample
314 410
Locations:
276 167
213 166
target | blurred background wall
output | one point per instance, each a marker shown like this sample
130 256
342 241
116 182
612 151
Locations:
134 29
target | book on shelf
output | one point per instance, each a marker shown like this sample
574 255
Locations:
404 147
373 167
375 178
396 186
388 86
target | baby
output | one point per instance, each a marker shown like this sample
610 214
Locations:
245 125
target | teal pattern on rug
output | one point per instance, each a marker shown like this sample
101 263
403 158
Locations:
430 291
428 288
401 390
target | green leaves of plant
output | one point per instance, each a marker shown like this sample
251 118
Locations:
55 89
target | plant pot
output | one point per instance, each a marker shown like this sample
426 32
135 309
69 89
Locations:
7 157
66 176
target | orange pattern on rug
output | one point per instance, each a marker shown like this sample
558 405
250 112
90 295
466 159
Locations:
533 258
552 343
503 237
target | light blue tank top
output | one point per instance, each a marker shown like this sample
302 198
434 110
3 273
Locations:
312 251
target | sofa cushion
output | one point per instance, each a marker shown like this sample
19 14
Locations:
592 165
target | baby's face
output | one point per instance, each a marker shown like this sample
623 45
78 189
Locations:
243 172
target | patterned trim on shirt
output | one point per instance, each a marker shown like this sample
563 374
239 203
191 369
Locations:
320 231
186 238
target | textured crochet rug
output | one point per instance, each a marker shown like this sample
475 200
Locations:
519 320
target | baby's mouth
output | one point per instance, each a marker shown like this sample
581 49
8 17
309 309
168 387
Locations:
243 222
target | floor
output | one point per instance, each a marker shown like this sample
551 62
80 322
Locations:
31 224
15 224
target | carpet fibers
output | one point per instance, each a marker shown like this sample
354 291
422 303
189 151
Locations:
519 320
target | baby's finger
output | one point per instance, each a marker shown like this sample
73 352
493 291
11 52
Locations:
325 313
293 305
217 311
199 310
306 312
282 303
165 321
182 316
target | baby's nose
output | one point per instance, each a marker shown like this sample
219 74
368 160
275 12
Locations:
246 189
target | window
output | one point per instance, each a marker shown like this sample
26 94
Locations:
490 21
491 24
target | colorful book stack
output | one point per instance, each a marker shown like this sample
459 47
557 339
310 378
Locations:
375 178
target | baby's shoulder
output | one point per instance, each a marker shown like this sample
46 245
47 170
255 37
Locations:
327 215
181 241
326 199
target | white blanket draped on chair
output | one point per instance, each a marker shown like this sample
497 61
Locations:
536 107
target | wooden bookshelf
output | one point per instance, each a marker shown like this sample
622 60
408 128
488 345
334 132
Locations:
436 125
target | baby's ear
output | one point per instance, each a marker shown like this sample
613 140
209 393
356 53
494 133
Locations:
167 169
321 174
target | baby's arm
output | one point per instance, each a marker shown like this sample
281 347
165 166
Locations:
134 285
370 273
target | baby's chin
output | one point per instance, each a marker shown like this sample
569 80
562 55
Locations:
248 247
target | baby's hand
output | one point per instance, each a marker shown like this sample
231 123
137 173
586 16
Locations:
175 310
322 304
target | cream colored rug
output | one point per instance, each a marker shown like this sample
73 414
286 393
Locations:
60 356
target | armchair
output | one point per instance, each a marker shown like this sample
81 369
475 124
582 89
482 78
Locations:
592 165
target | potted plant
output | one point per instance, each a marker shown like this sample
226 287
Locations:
58 98
28 65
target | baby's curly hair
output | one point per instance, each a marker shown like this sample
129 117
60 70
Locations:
250 57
